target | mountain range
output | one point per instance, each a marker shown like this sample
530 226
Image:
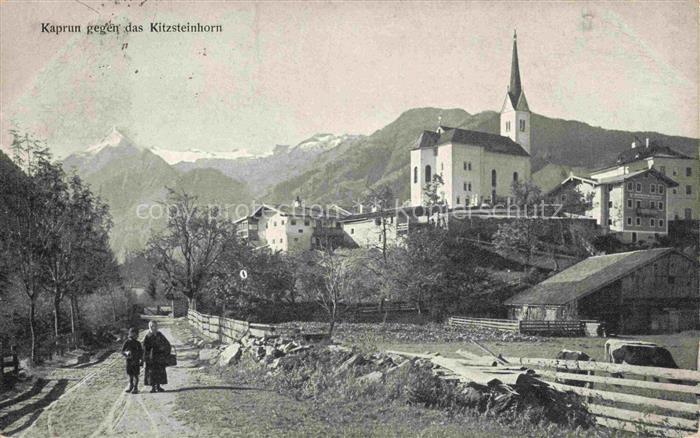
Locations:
324 168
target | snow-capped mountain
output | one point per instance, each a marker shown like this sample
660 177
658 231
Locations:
192 155
114 146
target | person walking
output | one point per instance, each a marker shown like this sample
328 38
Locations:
133 352
156 349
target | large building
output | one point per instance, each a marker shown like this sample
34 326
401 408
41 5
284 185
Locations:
645 291
683 199
290 228
476 167
634 205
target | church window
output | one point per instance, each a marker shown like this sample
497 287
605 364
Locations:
522 125
428 176
515 176
435 152
493 196
507 126
415 174
493 178
442 166
457 200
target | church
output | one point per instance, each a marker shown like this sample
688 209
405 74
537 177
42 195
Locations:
476 167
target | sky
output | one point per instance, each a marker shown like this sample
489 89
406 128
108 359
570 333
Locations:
282 72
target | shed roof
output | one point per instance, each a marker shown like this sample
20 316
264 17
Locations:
586 277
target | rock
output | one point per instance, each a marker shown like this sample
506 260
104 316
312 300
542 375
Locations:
275 363
231 354
373 377
258 352
208 354
272 352
287 347
394 369
355 359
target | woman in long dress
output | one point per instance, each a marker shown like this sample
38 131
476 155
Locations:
156 348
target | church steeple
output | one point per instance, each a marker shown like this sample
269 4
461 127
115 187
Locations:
515 88
515 114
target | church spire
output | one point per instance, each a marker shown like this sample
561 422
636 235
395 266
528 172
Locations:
515 88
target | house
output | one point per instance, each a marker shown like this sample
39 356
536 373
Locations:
683 199
646 291
290 228
632 205
476 166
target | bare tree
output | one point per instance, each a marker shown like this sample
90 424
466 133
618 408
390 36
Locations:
381 199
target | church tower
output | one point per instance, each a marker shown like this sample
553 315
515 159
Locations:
515 114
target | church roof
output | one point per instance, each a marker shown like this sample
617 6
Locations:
490 142
653 150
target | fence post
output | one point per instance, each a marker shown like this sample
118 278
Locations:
2 363
697 396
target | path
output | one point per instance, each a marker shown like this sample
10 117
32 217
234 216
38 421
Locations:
89 400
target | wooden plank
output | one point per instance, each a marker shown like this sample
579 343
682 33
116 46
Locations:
641 417
637 428
690 408
410 354
686 389
666 373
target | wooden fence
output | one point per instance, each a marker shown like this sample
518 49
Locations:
628 403
529 327
8 359
229 330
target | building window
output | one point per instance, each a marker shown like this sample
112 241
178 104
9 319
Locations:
296 239
457 200
675 171
442 166
630 186
292 221
652 204
652 222
515 176
522 125
637 221
688 213
652 188
629 220
639 204
469 165
629 203
493 196
352 231
428 176
274 224
507 126
638 187
465 165
634 237
301 231
415 174
469 187
661 205
688 190
493 178
662 169
306 222
688 171
661 188
661 223
465 187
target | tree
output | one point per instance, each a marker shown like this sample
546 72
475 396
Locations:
185 254
328 278
381 199
433 197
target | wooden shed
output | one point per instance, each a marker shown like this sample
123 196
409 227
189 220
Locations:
647 291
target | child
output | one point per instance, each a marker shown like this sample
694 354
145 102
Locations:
133 352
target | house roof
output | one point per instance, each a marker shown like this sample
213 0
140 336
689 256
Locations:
624 177
587 276
491 142
653 150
